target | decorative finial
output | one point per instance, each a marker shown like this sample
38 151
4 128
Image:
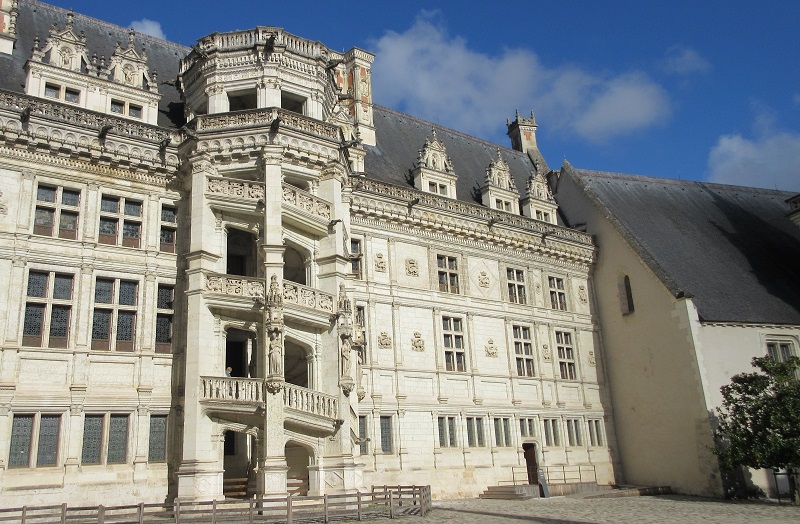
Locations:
517 113
131 34
70 16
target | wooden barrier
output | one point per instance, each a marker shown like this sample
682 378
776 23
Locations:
381 502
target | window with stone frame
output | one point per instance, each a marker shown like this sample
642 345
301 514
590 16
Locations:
386 433
448 434
114 317
157 443
34 440
57 211
523 350
48 309
552 434
362 435
516 285
596 437
168 228
780 350
475 436
566 355
356 258
105 439
455 358
437 188
574 434
120 221
527 427
447 273
502 432
558 294
165 312
67 94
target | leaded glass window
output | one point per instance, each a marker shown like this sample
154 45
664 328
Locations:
163 329
47 451
168 214
21 432
118 439
44 219
131 229
48 313
70 198
109 204
386 434
157 450
68 221
34 318
59 321
62 287
127 293
126 320
103 291
46 194
167 236
165 294
101 324
108 226
37 284
362 434
133 208
50 212
92 439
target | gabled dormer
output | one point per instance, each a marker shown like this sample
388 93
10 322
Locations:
499 191
61 70
539 202
9 10
433 171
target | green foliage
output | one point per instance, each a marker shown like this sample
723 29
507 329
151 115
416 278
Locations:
759 421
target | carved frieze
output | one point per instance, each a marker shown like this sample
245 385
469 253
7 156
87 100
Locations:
234 188
235 286
294 293
306 202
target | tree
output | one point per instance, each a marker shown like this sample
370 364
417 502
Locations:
759 421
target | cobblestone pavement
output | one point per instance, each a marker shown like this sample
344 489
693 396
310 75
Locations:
646 510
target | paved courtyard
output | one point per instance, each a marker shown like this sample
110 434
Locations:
568 510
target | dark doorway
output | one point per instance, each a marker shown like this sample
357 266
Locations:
236 357
530 463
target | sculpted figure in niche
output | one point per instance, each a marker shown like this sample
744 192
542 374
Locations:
346 349
547 353
275 353
582 296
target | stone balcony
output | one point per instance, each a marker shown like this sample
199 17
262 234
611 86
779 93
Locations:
244 400
265 118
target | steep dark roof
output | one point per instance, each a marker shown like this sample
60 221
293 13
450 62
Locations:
36 18
400 137
731 248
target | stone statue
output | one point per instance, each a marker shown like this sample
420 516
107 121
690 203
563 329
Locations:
275 353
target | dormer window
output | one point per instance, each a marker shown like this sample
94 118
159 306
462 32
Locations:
118 107
135 111
433 171
72 95
499 190
52 91
439 189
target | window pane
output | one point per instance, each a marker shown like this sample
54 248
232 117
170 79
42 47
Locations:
92 436
101 325
442 433
70 95
131 229
451 429
117 107
48 440
163 329
127 293
59 321
37 284
44 217
386 434
102 291
46 194
165 294
109 204
167 235
118 439
479 429
52 91
34 313
126 321
157 451
62 287
168 214
21 430
108 226
70 198
135 111
133 208
68 221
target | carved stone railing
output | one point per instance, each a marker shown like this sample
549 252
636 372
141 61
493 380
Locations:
474 210
234 188
260 36
245 390
306 202
235 286
312 402
294 293
81 117
264 117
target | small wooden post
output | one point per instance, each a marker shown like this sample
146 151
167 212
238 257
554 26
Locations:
140 513
358 497
289 508
24 514
391 507
214 511
250 510
177 511
64 513
325 507
101 514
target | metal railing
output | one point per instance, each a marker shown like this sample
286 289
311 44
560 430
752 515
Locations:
560 474
382 501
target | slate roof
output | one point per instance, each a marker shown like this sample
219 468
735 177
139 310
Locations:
36 18
731 248
400 137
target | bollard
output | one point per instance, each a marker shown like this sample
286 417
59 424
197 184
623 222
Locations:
358 495
250 510
325 507
64 513
101 514
140 513
177 511
391 507
214 511
289 508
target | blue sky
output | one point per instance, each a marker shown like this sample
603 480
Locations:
695 90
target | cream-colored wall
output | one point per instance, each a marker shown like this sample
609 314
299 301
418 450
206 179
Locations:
657 390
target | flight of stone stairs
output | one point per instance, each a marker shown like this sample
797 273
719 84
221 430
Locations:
511 492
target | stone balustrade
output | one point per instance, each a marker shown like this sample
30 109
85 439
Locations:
236 286
311 402
306 202
234 389
216 185
265 117
294 293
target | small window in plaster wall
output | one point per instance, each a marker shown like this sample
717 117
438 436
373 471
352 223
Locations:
626 295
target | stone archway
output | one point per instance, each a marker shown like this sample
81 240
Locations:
298 459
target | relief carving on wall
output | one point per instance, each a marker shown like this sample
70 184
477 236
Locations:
417 343
491 348
547 354
483 279
592 361
3 205
582 296
384 340
380 263
412 267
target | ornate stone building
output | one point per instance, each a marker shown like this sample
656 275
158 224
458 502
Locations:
230 272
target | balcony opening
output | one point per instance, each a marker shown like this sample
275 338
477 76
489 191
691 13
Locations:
295 364
292 102
294 266
241 258
298 458
238 349
242 100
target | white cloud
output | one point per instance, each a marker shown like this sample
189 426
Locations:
148 27
681 60
770 160
430 74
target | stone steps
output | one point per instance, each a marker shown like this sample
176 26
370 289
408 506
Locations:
511 492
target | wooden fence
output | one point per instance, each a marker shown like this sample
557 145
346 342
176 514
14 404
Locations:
381 502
